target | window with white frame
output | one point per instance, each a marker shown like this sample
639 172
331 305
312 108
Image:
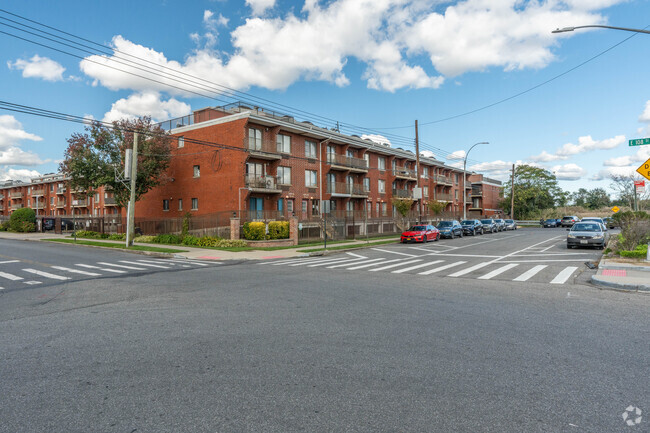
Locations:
350 153
457 178
284 175
394 165
377 209
368 208
180 204
314 207
290 205
254 139
197 171
384 209
195 204
425 192
310 178
310 149
425 172
366 184
283 143
304 207
165 205
381 163
381 186
366 157
181 141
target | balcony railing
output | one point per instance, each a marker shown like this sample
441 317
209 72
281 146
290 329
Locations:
60 203
79 203
16 195
61 190
359 190
2 197
347 162
443 179
405 173
402 193
339 188
443 197
38 192
110 201
262 183
17 206
38 206
263 149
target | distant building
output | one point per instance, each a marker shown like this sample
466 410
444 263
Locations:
485 196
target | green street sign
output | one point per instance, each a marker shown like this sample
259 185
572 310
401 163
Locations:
639 141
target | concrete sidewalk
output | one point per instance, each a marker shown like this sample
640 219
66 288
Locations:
623 275
193 252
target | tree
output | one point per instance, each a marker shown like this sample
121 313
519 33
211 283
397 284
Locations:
92 159
403 205
597 198
535 189
623 185
437 206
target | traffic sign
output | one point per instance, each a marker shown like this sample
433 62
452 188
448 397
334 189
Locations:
644 170
639 142
615 209
639 185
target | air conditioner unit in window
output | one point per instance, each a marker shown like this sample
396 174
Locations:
270 183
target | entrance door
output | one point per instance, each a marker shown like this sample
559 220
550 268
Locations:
256 207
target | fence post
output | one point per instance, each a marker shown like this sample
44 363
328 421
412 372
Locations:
234 229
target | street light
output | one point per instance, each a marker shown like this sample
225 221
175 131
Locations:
465 177
570 29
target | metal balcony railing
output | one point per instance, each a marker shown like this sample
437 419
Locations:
402 193
339 188
109 201
262 182
347 161
404 173
17 206
16 195
79 203
60 203
443 197
38 192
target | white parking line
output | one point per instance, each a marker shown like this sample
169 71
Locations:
101 269
441 268
395 265
356 263
45 274
288 261
538 261
421 265
122 266
10 276
76 271
144 264
530 273
563 276
470 269
373 264
395 252
496 272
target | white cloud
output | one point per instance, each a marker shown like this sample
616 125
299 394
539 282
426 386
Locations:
546 157
18 174
391 37
568 172
457 155
146 104
16 156
428 154
11 132
39 67
645 116
585 144
379 139
607 172
620 161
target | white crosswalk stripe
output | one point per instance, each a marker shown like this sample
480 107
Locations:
563 276
128 262
45 274
530 273
121 266
498 271
162 262
354 268
468 270
401 271
75 271
395 265
10 276
115 271
356 263
332 261
442 268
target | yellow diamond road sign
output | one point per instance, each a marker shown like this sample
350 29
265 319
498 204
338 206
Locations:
644 170
615 209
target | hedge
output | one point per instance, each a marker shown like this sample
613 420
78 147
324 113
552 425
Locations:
23 220
279 230
640 252
254 231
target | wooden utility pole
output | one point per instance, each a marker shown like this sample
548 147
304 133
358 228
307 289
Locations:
130 221
417 170
512 193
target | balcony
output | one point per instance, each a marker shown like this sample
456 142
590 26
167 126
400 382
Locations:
80 203
17 206
16 195
443 180
61 190
402 193
444 197
263 150
110 201
476 193
60 204
404 173
339 189
347 163
38 192
359 191
2 197
263 184
38 206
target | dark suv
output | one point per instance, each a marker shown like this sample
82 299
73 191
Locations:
472 227
450 229
489 225
568 221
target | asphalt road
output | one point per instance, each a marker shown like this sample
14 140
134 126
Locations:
263 347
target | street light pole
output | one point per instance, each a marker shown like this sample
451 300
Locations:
465 177
570 29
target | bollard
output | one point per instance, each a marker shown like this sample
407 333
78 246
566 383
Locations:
647 256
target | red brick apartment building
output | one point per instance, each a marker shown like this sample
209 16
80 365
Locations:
262 164
485 196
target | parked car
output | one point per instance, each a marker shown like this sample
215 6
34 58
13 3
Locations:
501 224
489 225
558 222
550 222
420 233
472 227
568 221
48 224
610 222
450 229
593 219
587 234
511 225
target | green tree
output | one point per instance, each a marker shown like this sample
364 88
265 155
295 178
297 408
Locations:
597 198
437 206
403 205
92 158
580 197
535 189
23 220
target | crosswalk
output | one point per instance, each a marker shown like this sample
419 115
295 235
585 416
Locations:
16 273
446 267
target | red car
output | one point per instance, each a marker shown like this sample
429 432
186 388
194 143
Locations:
420 233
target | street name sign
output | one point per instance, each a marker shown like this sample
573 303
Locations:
639 142
644 170
615 209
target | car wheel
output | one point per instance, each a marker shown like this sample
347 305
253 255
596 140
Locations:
424 239
473 232
461 235
569 246
452 235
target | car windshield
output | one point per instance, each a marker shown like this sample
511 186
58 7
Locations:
417 228
510 221
567 218
585 228
550 220
445 224
486 221
467 222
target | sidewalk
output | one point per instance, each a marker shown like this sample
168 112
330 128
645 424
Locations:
193 252
623 275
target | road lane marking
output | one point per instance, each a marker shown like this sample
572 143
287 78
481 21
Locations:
421 265
441 268
287 261
563 276
395 252
121 266
321 261
354 268
347 264
9 261
76 271
357 255
144 264
10 276
101 269
470 269
498 271
165 263
45 274
194 262
346 260
395 265
530 273
538 261
32 283
467 255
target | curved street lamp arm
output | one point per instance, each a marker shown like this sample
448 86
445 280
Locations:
465 175
570 29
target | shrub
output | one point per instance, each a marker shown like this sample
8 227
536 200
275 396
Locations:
21 216
279 230
144 239
254 231
640 252
167 239
117 237
186 224
4 226
190 240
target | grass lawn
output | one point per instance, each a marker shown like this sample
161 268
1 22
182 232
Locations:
115 245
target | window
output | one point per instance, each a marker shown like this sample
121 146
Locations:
366 184
369 208
180 204
331 182
51 187
456 194
350 206
254 139
197 171
284 175
382 186
181 141
350 153
310 178
314 207
51 201
394 165
195 204
425 172
284 143
381 163
96 197
377 209
383 209
366 157
165 205
290 205
456 178
304 207
310 149
425 192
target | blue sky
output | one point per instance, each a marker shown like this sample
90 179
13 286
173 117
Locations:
373 66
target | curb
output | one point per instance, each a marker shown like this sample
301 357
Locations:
640 288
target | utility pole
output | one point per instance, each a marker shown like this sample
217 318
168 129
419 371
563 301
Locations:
130 222
417 171
512 193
